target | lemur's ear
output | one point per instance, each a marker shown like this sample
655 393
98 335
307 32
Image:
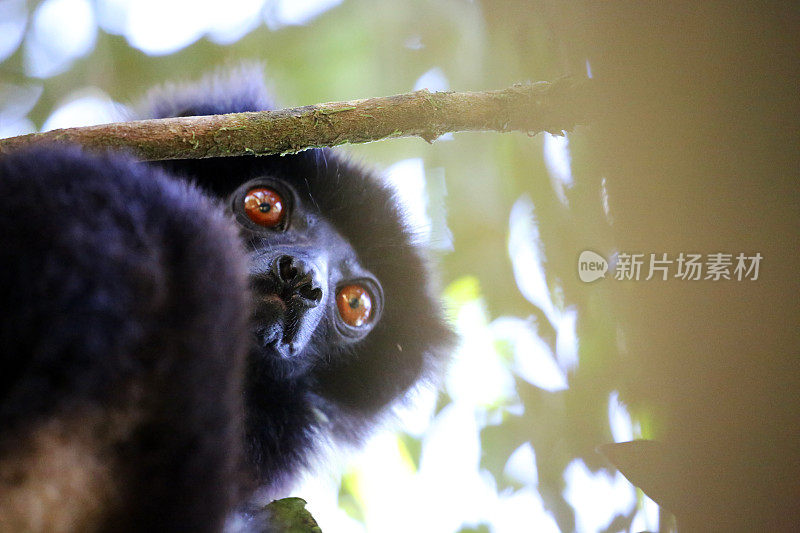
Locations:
226 90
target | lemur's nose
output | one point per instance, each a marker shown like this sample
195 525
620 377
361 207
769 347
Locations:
297 280
288 292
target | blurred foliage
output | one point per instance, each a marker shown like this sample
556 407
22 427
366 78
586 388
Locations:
290 516
358 49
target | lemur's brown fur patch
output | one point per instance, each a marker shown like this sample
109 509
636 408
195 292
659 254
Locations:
59 475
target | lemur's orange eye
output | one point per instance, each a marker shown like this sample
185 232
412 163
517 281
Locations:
355 305
265 207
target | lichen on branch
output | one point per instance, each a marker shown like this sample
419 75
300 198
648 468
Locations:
530 107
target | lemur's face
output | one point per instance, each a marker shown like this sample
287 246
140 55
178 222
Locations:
306 277
344 321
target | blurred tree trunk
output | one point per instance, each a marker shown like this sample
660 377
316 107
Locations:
699 140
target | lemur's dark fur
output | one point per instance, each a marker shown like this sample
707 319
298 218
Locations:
122 307
122 319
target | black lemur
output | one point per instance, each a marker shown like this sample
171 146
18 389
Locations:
177 337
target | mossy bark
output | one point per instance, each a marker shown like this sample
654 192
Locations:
531 107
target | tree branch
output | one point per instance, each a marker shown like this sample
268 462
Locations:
530 107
